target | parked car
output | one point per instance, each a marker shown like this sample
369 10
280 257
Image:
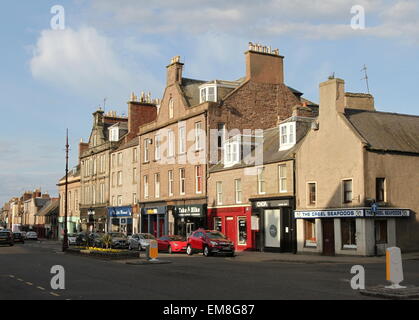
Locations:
31 235
18 237
172 244
95 240
6 237
119 240
140 241
209 242
81 239
72 239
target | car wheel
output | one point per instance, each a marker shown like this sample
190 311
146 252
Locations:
206 251
232 254
189 250
170 250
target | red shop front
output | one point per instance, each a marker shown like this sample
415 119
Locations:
236 224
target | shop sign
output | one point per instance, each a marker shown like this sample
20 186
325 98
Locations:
120 211
329 214
190 211
388 213
271 204
155 210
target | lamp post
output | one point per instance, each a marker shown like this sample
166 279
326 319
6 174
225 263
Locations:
65 238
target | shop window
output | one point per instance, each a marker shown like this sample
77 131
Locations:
380 184
242 225
381 231
348 233
218 224
310 239
347 191
312 193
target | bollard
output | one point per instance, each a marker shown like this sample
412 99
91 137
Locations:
153 251
394 268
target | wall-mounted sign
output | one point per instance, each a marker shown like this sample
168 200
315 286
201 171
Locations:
351 213
271 204
190 210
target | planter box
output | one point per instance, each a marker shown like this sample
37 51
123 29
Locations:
125 254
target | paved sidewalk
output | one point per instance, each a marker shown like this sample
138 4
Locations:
252 256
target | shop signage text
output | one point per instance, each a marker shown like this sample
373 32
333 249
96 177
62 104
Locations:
351 213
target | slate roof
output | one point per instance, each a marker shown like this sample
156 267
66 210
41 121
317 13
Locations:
49 208
391 132
190 89
271 152
132 143
40 202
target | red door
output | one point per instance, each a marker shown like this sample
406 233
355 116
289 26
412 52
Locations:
230 230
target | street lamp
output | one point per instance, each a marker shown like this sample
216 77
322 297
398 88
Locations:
65 238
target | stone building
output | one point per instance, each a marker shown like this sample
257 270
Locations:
98 157
194 119
32 203
352 160
252 200
73 203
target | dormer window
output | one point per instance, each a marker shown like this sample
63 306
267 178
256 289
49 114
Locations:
208 93
114 134
232 151
286 135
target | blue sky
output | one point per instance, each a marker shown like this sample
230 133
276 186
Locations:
54 79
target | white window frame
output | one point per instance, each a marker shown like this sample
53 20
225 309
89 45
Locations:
205 96
219 192
182 181
146 150
343 191
232 151
282 178
171 143
170 180
261 182
157 149
238 191
157 185
287 135
198 136
198 169
182 139
145 186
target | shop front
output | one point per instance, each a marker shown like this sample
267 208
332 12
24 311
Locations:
154 220
120 219
236 224
350 231
94 219
73 226
188 218
275 223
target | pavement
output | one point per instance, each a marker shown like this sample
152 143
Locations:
25 273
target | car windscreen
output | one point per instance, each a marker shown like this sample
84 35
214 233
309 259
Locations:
149 236
177 238
117 235
215 235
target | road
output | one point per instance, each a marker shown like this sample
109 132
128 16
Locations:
25 274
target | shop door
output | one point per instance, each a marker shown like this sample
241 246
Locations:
286 231
229 229
272 228
328 228
190 227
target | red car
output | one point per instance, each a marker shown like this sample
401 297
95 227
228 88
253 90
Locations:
172 244
209 242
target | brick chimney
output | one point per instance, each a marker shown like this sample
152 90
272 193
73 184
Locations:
140 112
264 65
174 71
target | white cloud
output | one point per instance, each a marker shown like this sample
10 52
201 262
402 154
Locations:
85 62
328 19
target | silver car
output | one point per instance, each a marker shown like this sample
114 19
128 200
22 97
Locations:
31 235
140 241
